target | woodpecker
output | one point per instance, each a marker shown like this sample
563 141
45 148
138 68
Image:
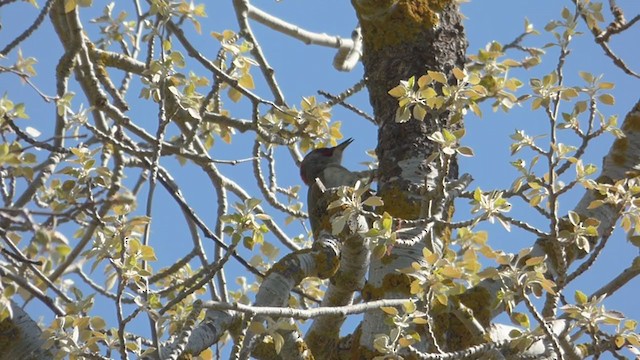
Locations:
324 164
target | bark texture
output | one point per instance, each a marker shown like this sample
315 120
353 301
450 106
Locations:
402 39
21 337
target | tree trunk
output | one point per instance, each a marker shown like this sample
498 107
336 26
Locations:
405 39
21 337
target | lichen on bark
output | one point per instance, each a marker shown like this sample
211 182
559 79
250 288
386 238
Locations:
390 22
401 40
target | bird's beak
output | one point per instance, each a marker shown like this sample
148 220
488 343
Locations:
343 145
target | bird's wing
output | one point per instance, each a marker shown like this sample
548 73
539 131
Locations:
336 175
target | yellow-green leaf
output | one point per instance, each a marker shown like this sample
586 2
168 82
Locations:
409 307
534 260
465 151
437 76
373 201
234 95
452 272
390 310
69 5
459 74
607 99
581 298
397 91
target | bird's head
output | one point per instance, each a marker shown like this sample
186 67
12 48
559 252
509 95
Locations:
318 159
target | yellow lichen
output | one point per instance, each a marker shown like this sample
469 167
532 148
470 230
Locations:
10 334
603 179
397 203
632 122
448 327
324 217
327 265
355 344
318 343
620 147
618 159
478 300
289 266
389 22
393 282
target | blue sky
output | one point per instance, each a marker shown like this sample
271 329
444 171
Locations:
302 70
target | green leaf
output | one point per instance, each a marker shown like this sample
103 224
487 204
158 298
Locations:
337 224
574 218
477 194
459 74
535 200
520 319
19 112
428 93
535 260
373 201
451 272
535 104
379 251
69 5
448 136
234 95
389 310
606 85
437 76
403 114
63 250
465 151
253 203
387 221
409 307
595 204
569 93
420 321
588 77
148 254
514 333
397 91
630 325
278 342
248 242
607 99
247 81
419 112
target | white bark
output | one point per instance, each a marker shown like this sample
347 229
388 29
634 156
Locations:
23 337
623 158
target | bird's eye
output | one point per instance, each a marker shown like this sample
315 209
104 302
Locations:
326 151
